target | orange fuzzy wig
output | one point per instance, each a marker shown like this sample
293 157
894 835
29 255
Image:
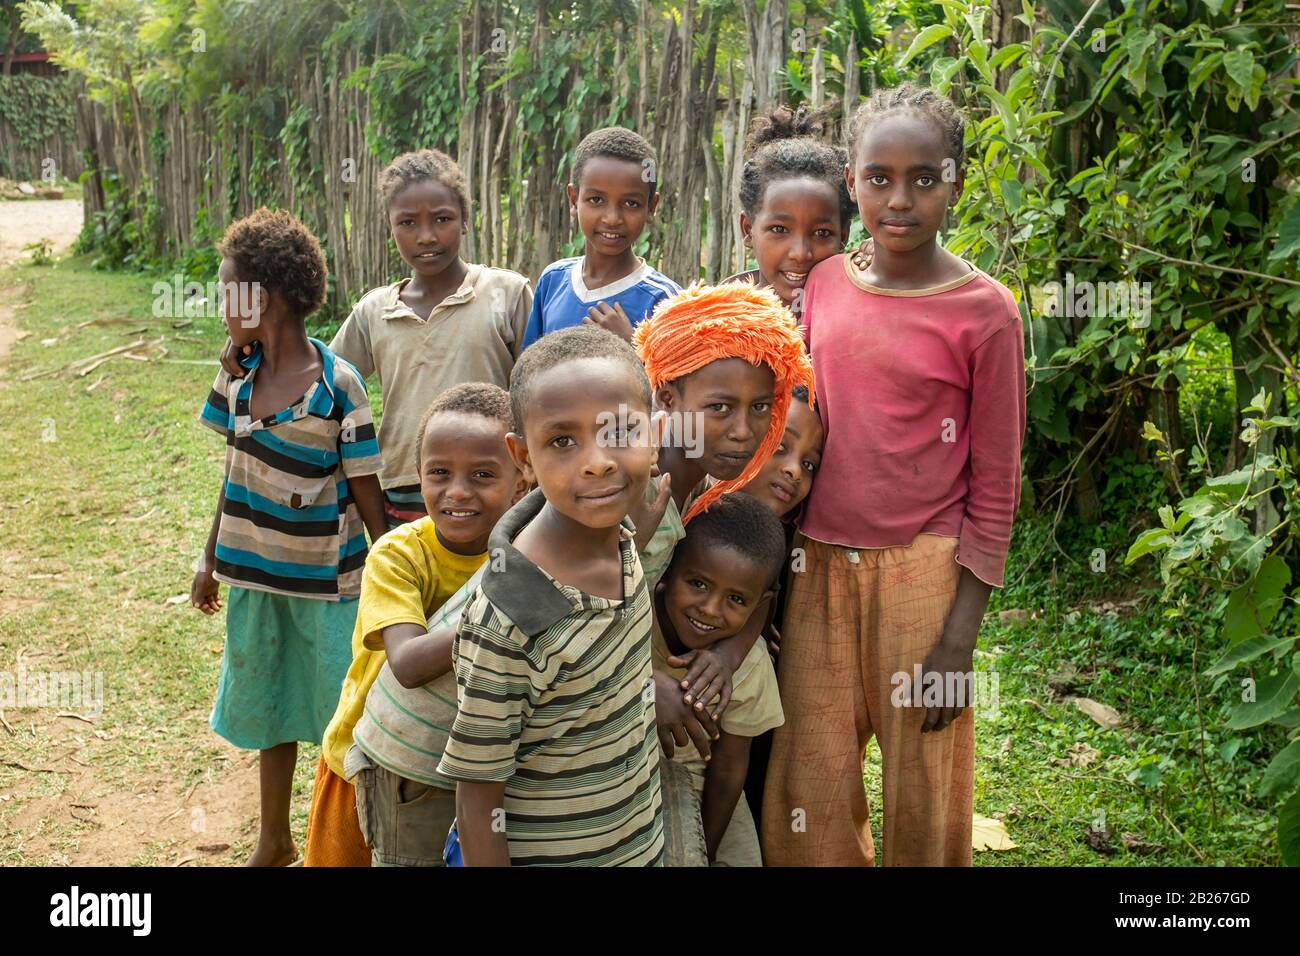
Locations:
705 324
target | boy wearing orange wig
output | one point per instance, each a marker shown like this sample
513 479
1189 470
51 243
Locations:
723 361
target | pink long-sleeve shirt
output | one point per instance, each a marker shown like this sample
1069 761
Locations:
922 395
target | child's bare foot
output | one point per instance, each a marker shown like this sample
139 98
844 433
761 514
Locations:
273 853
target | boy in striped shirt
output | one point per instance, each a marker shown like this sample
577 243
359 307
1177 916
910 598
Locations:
554 745
301 480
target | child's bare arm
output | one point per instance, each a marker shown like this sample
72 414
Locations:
479 824
955 652
709 671
416 655
723 781
370 504
205 593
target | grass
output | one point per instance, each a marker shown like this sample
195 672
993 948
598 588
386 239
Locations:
102 524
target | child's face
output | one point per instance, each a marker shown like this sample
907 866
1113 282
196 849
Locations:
797 227
467 478
613 204
588 470
243 307
709 593
896 176
729 403
784 482
427 226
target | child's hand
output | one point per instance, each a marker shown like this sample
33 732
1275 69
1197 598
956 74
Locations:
773 637
947 658
862 255
646 515
611 319
677 724
708 675
205 592
230 357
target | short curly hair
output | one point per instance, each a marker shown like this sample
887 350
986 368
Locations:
784 144
742 523
925 102
419 166
272 248
566 345
469 398
617 143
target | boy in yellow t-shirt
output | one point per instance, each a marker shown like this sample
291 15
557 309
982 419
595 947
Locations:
467 481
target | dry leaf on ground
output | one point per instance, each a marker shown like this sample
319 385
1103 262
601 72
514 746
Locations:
990 834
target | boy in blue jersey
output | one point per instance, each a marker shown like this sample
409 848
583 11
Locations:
613 198
301 489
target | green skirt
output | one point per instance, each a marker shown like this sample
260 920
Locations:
283 667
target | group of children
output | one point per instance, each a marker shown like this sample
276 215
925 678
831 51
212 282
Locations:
593 524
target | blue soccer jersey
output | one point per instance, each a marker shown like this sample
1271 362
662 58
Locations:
561 299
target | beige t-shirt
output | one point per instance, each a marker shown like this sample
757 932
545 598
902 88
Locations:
755 706
473 335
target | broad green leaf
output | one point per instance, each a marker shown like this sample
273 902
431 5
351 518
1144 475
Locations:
1240 65
1252 606
1154 539
1288 831
1273 695
1012 194
926 38
1288 233
1248 650
1283 772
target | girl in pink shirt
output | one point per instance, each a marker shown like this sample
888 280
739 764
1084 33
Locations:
919 364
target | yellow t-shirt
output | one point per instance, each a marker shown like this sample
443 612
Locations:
409 575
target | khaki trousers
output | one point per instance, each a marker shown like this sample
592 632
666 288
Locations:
854 620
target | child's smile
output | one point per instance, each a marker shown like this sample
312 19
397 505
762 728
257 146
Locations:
709 594
583 474
786 479
467 478
797 227
612 203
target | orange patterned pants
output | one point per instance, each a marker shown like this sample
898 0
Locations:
854 620
333 833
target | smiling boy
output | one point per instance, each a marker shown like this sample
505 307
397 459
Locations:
553 747
613 199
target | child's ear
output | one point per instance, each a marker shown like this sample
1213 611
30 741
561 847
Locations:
958 185
746 229
653 204
522 486
572 192
666 397
849 180
519 455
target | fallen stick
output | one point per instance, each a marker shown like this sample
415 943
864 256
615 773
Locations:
103 355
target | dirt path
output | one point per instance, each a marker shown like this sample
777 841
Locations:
58 220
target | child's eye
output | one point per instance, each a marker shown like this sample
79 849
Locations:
484 474
632 204
809 466
780 449
407 222
738 599
824 234
697 584
778 229
595 200
761 407
925 182
720 407
562 441
878 180
438 472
